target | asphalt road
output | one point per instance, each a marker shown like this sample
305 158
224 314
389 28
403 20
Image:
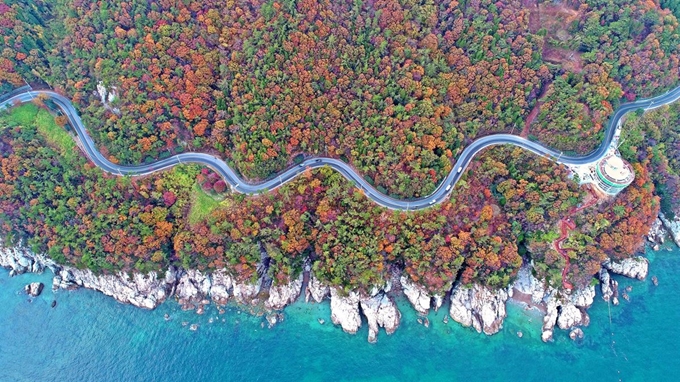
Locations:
239 185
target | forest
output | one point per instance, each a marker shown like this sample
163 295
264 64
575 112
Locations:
396 88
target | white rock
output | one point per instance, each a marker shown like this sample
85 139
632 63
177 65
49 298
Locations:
219 290
245 292
345 311
569 317
416 294
657 232
583 298
34 289
479 306
634 267
672 226
282 295
605 284
527 284
316 290
380 311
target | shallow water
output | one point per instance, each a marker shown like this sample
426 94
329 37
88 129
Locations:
90 337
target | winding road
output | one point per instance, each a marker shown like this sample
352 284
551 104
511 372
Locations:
26 95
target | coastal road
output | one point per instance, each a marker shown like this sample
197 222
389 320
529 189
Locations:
239 185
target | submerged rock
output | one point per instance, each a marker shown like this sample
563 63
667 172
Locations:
345 311
577 333
380 311
634 267
416 294
479 307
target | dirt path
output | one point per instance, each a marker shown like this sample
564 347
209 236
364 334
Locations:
566 225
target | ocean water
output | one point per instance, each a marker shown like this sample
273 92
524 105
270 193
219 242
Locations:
91 337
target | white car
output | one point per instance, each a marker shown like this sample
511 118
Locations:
448 187
460 169
433 201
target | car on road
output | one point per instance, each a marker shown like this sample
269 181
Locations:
448 187
460 169
433 201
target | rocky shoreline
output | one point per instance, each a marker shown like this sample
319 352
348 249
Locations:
475 306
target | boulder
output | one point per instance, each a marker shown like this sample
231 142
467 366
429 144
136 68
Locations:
34 289
284 294
479 306
416 294
380 311
634 267
575 334
345 310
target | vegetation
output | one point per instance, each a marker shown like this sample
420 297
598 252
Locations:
394 87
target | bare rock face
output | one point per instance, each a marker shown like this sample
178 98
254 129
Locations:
437 301
193 286
480 307
583 298
527 284
282 295
345 311
416 294
316 290
221 284
144 291
657 232
569 317
634 267
380 311
34 289
21 260
566 311
608 285
673 227
245 292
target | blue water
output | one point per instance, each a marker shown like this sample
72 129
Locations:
90 337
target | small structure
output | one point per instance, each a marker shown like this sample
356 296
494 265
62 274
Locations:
613 174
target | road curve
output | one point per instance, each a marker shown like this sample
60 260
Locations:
239 185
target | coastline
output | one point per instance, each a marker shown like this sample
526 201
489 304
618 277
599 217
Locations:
472 306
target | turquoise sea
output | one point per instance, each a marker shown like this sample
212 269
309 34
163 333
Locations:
90 337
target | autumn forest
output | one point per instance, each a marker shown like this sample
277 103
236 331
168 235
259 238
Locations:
396 88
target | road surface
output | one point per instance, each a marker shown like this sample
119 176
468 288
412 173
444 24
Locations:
239 185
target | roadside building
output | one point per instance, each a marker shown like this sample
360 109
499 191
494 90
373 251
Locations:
613 174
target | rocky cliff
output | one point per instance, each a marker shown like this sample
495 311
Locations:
476 305
634 267
672 226
479 307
